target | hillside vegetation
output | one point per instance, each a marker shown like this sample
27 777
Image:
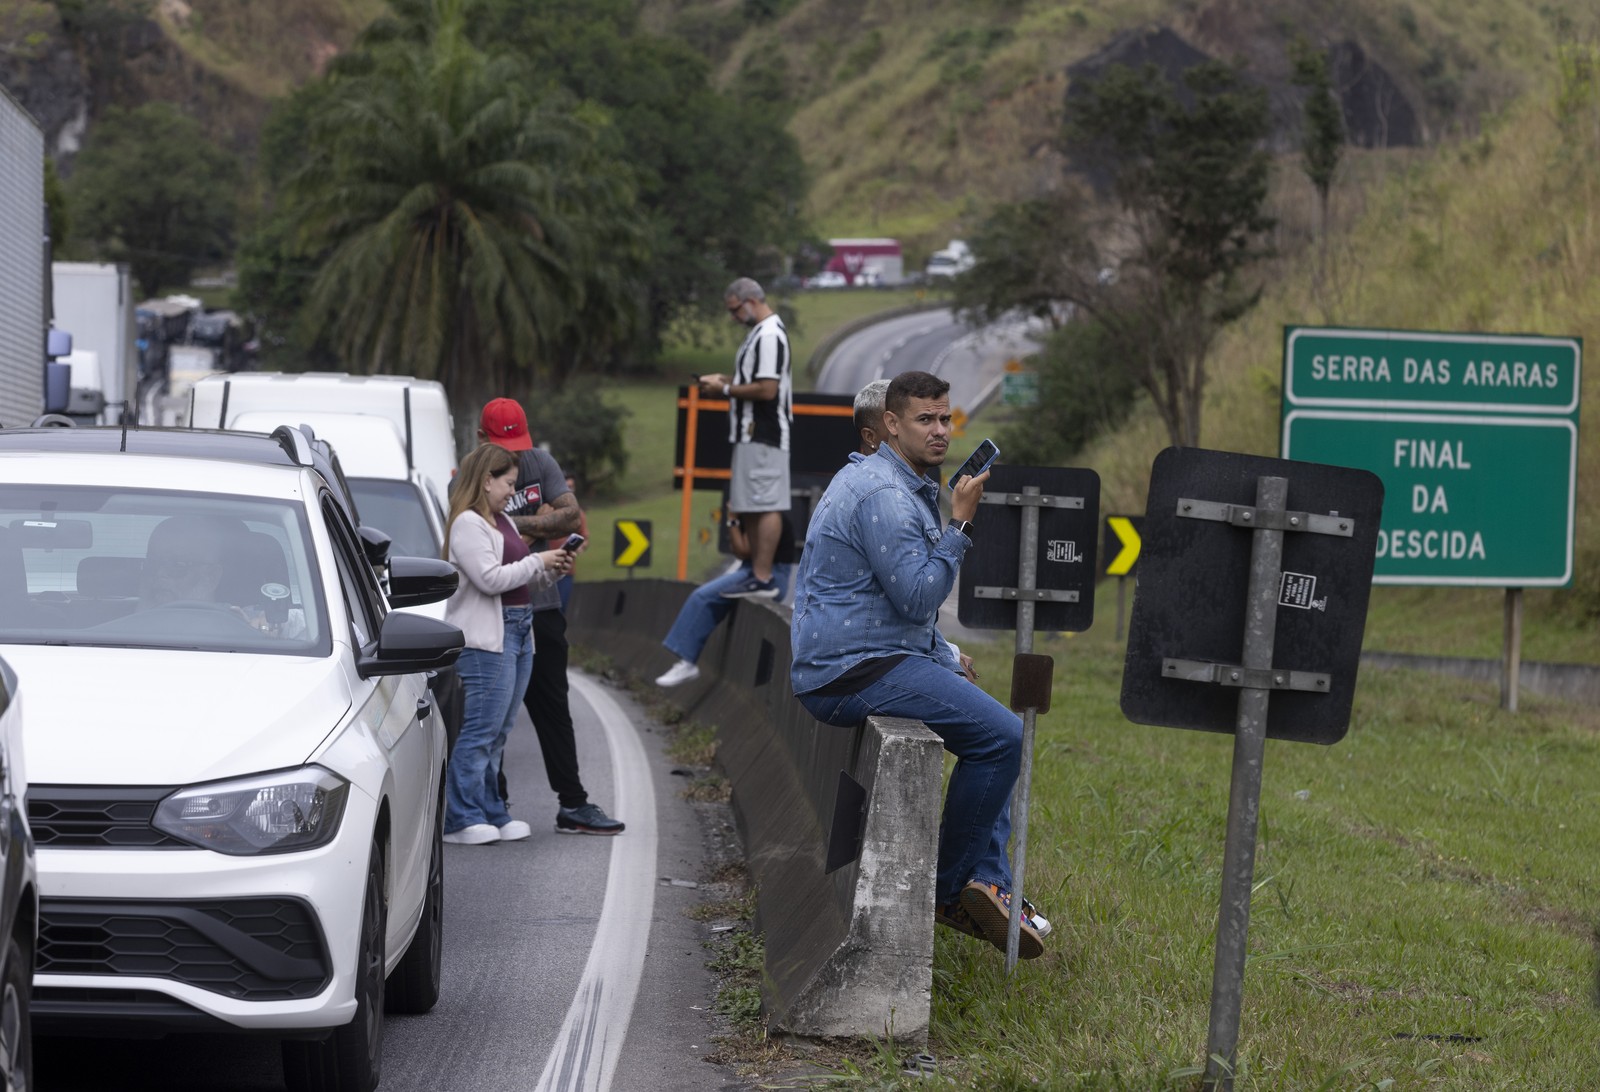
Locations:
916 115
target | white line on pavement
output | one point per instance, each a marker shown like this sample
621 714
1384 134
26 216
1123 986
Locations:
591 1037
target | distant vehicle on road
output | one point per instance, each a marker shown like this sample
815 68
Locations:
868 262
953 260
828 278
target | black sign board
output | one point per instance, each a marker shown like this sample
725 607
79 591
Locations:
821 438
1069 526
1194 571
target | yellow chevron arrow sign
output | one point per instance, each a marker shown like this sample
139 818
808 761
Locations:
1128 538
630 544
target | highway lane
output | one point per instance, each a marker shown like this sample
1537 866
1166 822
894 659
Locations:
972 361
570 962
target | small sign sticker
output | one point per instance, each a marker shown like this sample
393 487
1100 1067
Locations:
1063 550
1298 590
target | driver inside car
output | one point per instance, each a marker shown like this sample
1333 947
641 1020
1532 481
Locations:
185 563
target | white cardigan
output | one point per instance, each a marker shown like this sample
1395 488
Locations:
476 547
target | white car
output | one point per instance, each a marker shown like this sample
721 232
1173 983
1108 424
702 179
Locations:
19 892
236 765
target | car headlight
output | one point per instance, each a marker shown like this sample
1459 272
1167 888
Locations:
270 813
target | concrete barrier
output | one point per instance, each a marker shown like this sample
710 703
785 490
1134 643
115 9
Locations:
1569 682
850 953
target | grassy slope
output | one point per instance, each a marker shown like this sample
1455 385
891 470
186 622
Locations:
1497 234
925 111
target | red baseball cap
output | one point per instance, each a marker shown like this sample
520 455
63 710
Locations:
504 423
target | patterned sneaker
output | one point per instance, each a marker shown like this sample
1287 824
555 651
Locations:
954 915
588 819
990 909
753 589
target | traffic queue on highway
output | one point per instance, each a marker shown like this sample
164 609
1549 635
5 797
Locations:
225 696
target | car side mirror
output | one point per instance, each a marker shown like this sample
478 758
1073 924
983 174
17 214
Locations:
410 643
418 581
375 544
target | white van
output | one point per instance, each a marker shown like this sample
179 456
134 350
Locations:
417 408
390 495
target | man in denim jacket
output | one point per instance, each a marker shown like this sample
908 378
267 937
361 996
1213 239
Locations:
878 563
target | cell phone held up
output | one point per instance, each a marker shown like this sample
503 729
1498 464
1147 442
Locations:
976 463
574 541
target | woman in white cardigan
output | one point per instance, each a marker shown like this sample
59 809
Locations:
493 609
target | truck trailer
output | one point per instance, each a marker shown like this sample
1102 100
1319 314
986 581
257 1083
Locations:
24 265
93 302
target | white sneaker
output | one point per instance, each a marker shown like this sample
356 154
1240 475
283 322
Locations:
478 834
679 673
515 831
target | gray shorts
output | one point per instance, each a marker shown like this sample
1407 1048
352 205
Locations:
760 479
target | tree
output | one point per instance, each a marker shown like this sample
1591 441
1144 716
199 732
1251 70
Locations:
468 222
718 179
587 431
150 189
1186 174
1083 391
1322 140
1029 257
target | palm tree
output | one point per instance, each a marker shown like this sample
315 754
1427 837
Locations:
468 224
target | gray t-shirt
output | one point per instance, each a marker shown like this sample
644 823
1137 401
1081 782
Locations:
539 481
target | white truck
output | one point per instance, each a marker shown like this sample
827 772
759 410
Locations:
93 302
417 408
24 314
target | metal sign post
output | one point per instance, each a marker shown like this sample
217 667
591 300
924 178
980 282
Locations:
1244 792
1063 520
1288 622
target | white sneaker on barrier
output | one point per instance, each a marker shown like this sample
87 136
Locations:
679 673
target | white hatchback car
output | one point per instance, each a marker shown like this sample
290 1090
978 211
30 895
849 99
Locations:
236 766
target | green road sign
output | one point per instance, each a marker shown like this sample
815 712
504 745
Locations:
1019 389
1475 437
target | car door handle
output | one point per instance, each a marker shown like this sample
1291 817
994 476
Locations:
424 708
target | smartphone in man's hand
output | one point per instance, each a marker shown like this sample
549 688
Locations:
976 463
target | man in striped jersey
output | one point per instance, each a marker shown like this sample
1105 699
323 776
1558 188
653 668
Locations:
760 419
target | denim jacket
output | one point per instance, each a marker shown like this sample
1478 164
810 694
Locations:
878 563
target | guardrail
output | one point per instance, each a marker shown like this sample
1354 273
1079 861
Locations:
848 953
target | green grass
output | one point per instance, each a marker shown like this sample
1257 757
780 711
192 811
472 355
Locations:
1430 875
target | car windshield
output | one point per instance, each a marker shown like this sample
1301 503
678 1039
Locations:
157 569
396 509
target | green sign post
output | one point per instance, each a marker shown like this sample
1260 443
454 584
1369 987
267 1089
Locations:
1475 437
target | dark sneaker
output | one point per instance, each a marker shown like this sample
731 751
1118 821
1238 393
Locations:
955 916
990 909
588 819
753 589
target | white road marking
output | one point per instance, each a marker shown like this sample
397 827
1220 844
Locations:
590 1042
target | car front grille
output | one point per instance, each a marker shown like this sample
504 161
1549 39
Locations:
266 949
69 817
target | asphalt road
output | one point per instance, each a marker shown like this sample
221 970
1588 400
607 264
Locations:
570 962
971 361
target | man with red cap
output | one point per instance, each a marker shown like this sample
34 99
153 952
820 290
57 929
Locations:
544 507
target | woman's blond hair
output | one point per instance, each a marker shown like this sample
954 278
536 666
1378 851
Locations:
483 462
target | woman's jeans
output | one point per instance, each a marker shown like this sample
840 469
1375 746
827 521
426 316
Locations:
986 739
495 682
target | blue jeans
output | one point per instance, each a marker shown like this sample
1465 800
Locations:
705 608
495 682
986 739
